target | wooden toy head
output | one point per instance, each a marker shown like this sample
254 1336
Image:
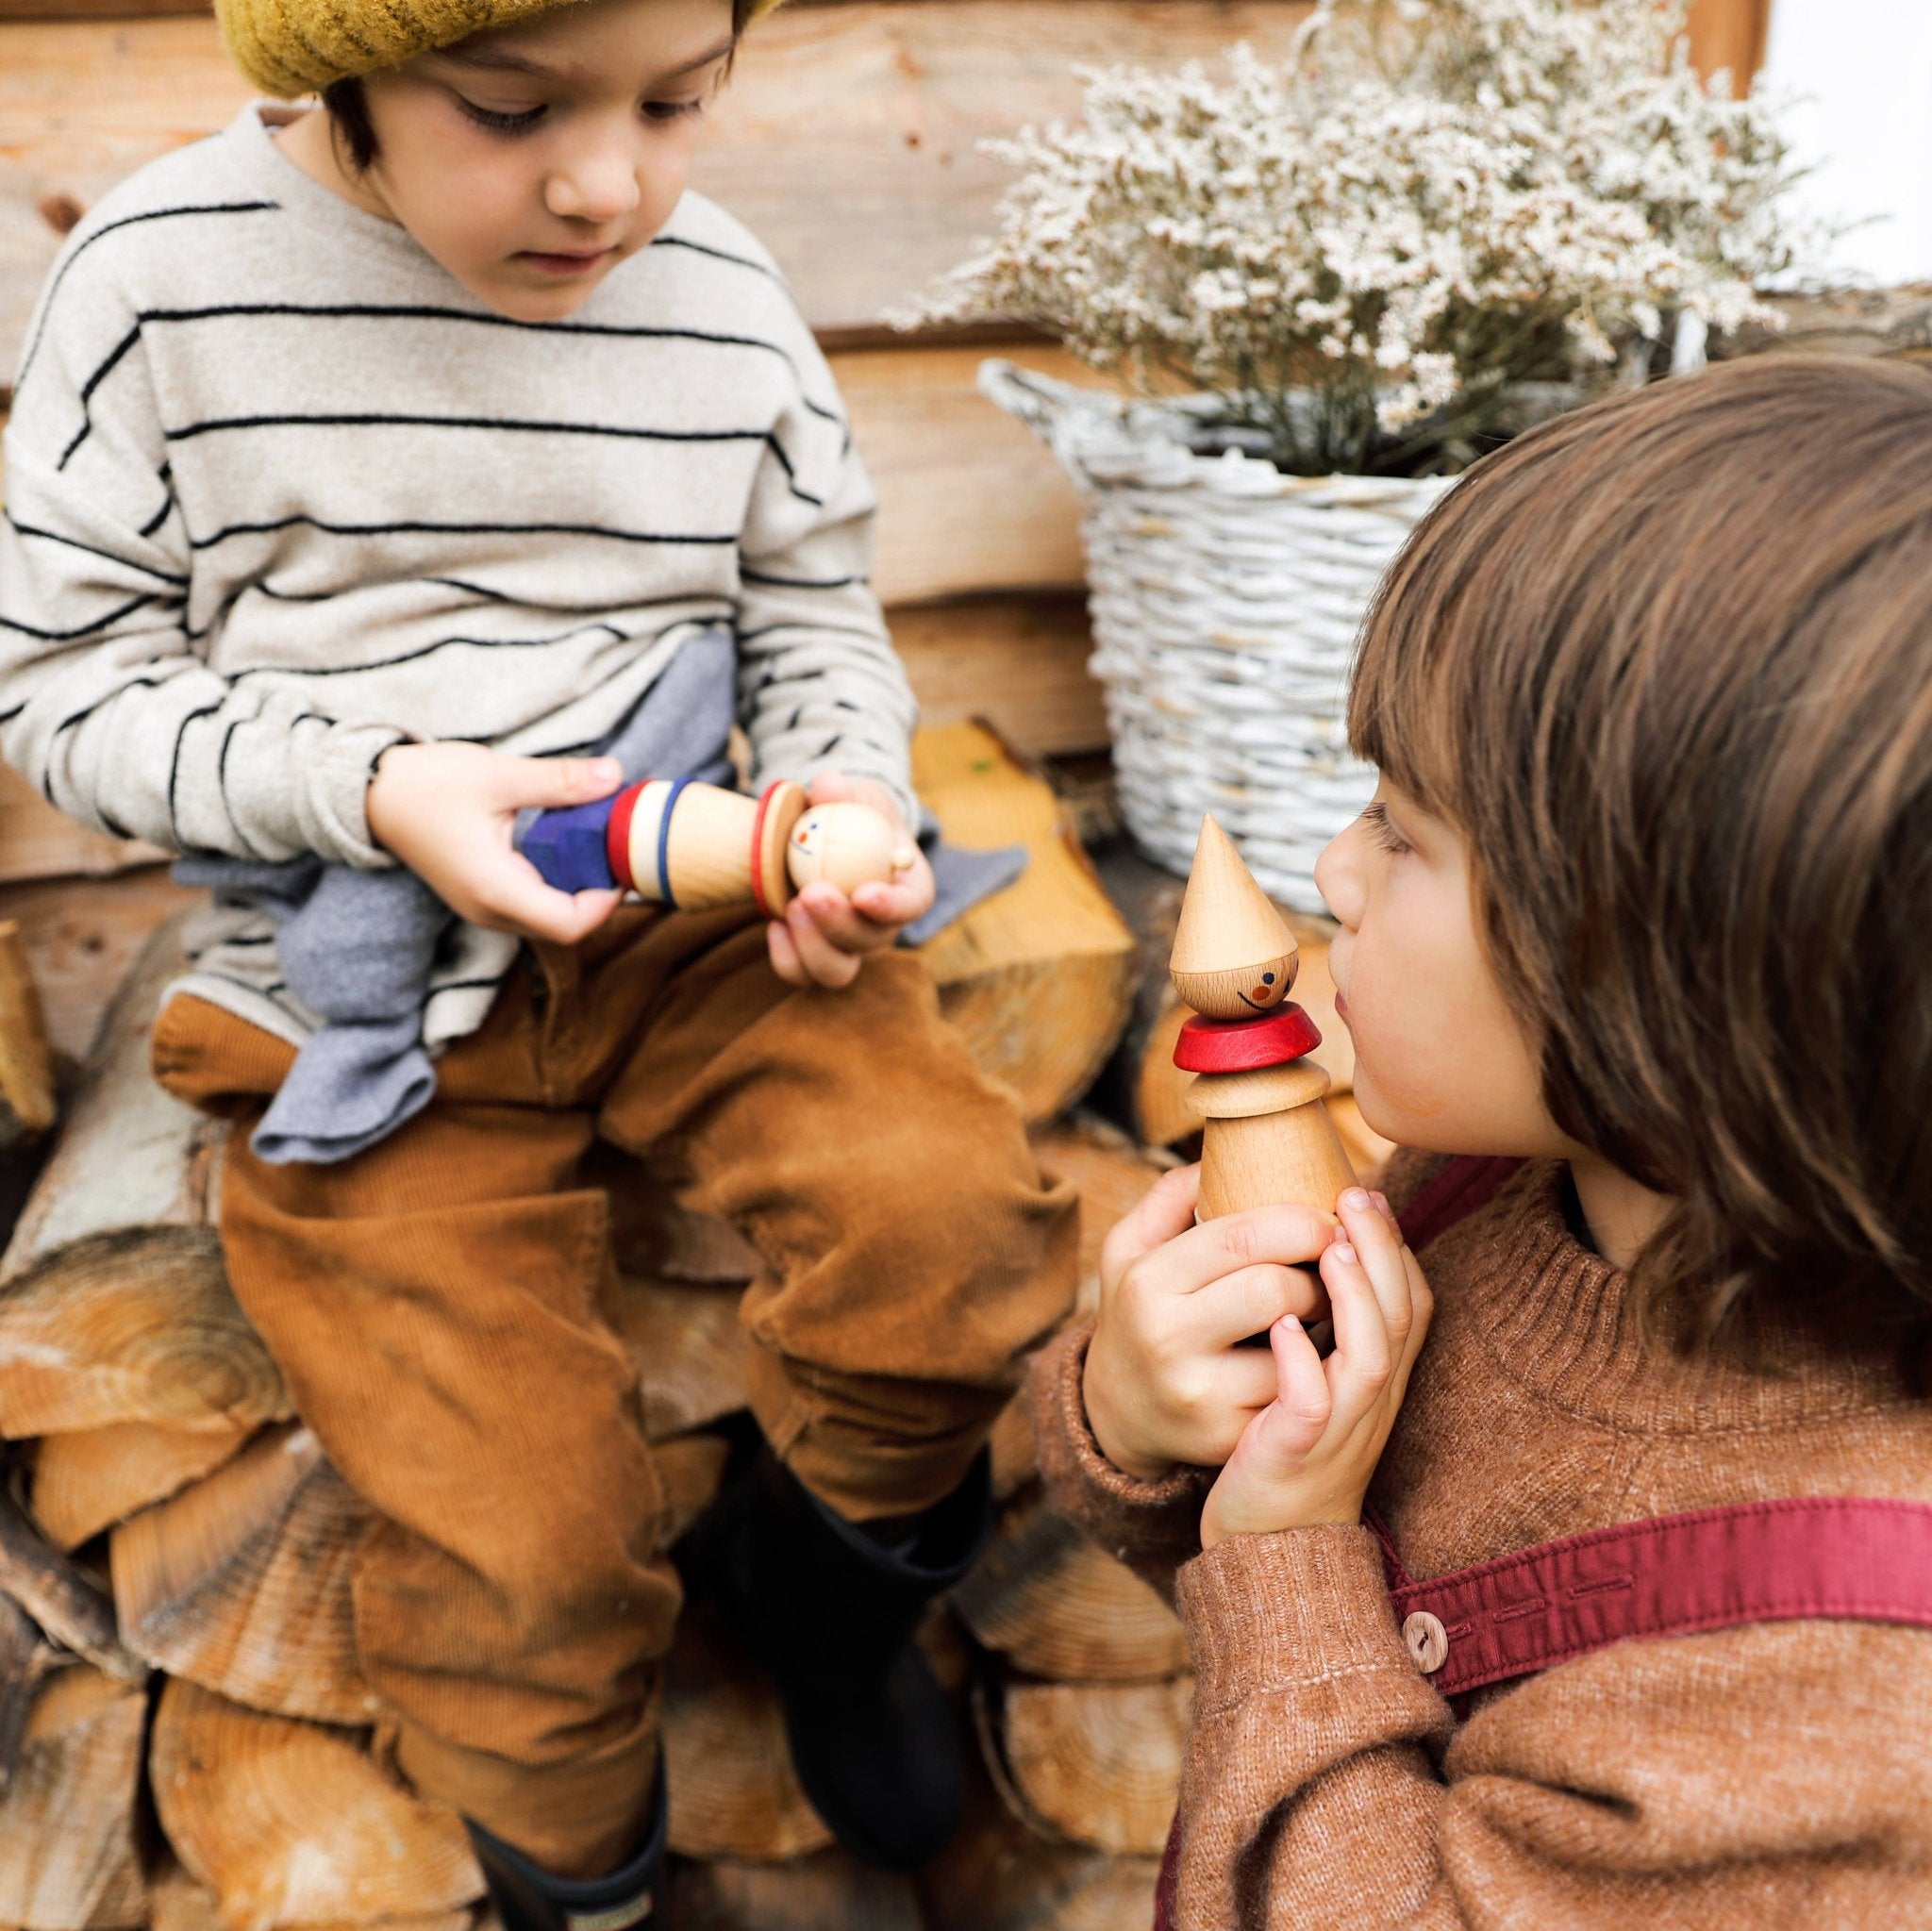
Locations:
847 845
1233 953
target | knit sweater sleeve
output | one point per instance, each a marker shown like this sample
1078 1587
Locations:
107 704
819 685
1767 1774
1153 1527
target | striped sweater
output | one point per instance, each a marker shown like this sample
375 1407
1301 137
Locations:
280 494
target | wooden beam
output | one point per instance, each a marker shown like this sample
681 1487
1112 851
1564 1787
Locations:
849 138
1730 34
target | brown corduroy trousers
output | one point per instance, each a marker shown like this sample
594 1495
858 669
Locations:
436 1305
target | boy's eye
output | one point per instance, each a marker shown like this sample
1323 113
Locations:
1382 829
502 123
672 110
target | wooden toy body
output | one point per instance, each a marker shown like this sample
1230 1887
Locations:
1267 1141
698 847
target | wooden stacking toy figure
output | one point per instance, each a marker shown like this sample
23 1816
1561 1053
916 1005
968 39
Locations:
696 848
1268 1137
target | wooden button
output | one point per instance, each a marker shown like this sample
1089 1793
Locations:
1427 1640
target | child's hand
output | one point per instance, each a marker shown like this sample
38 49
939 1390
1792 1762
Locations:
823 935
1167 1379
448 812
1307 1456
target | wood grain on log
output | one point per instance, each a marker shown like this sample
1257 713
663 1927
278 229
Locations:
177 1903
27 1659
115 1305
290 1823
87 1481
1037 977
829 1890
889 103
1057 1605
244 1583
1096 1764
689 1349
724 1750
1000 1874
1111 1175
70 1856
38 842
26 1059
691 1469
53 1591
83 936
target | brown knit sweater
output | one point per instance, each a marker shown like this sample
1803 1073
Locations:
1772 1775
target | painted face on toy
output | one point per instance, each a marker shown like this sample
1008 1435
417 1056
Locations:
1239 991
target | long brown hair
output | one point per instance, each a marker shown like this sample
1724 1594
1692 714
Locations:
1667 662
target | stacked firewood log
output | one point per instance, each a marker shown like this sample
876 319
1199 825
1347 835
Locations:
185 1729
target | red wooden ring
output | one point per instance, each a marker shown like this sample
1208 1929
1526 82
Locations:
617 836
757 839
1246 1045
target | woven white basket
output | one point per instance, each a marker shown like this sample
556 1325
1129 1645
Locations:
1226 597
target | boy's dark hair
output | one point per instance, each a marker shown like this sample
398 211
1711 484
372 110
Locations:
346 102
1667 663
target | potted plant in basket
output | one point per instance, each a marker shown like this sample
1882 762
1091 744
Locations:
1334 286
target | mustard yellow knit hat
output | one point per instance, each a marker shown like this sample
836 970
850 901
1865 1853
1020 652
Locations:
290 48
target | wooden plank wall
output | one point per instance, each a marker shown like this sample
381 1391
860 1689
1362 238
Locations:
849 140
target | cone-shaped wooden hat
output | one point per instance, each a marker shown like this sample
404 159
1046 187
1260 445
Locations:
1226 921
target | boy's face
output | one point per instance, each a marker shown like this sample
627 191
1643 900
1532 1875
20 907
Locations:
1441 1061
530 162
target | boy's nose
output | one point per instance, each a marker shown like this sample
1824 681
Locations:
599 187
1337 881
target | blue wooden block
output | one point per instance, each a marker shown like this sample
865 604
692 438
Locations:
569 846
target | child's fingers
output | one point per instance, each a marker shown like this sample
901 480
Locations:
1291 1427
896 901
824 963
1249 1301
1288 1236
1379 1248
514 897
784 953
832 915
522 782
1166 1208
1363 1360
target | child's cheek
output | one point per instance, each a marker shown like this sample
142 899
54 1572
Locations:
1397 1069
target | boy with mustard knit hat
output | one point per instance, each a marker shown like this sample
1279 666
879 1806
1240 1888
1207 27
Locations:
378 473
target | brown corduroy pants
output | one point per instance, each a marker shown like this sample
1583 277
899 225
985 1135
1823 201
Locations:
436 1305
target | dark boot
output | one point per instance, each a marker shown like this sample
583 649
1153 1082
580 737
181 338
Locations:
528 1898
828 1612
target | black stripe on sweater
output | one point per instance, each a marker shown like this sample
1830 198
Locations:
86 629
27 529
717 255
128 221
494 425
452 529
409 656
175 761
751 576
424 311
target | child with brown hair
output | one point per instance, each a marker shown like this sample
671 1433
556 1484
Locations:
1641 914
379 473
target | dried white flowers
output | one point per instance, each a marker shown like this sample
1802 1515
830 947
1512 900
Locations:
1367 255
